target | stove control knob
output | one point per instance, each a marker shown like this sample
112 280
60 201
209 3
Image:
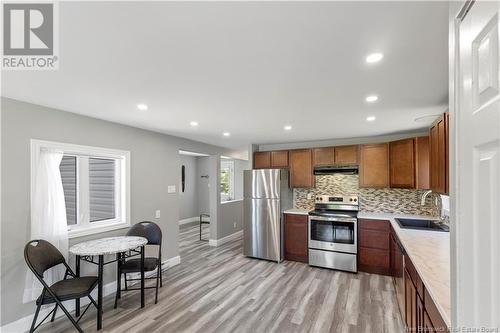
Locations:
350 199
355 200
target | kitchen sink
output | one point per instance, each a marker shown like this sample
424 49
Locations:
420 224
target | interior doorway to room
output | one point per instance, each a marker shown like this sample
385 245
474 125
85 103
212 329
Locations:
194 199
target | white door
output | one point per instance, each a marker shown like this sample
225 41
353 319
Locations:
477 288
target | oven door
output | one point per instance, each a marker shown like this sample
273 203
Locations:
333 234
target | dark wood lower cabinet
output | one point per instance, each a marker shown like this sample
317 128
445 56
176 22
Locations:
374 249
427 324
433 313
410 304
296 237
374 261
419 314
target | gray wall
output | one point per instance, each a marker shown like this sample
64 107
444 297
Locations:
239 167
189 198
231 212
154 165
214 192
202 187
231 220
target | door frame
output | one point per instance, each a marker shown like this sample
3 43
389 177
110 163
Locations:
454 72
459 233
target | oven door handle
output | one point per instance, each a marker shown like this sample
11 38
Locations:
333 219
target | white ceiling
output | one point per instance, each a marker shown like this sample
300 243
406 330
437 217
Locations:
247 68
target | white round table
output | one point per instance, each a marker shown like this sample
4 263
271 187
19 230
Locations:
108 245
99 248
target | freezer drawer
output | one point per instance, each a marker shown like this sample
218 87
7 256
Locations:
262 229
333 260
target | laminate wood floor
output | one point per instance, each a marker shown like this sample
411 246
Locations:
217 289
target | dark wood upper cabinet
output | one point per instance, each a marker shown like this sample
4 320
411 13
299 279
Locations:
342 155
399 164
346 155
301 168
262 160
324 156
296 237
438 143
422 156
279 159
402 163
374 165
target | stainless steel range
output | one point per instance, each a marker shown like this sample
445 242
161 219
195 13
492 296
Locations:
333 239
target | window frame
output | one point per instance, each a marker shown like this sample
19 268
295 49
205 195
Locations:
230 166
84 227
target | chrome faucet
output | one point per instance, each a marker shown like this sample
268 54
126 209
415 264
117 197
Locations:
424 196
439 202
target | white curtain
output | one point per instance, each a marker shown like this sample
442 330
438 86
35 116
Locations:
48 217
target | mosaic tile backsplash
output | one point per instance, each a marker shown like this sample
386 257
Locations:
387 200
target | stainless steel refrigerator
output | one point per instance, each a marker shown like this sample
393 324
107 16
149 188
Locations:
266 195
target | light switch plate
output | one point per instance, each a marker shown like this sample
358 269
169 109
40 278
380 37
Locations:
157 214
171 188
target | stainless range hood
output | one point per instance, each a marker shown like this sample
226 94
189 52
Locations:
328 170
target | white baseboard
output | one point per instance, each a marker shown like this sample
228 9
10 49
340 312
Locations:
192 219
23 324
166 264
218 242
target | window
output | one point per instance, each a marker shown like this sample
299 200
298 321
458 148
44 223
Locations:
68 175
227 180
102 185
96 186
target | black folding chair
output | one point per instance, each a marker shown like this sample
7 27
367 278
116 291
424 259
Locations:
203 221
152 232
40 256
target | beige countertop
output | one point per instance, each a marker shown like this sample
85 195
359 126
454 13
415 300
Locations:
297 211
430 253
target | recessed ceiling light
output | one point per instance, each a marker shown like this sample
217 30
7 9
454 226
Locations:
288 128
370 118
371 98
142 107
226 134
374 57
193 123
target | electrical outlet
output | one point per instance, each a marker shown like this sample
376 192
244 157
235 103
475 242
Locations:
171 189
309 196
234 224
157 214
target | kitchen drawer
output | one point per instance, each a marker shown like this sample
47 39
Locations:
339 260
381 225
296 218
373 239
